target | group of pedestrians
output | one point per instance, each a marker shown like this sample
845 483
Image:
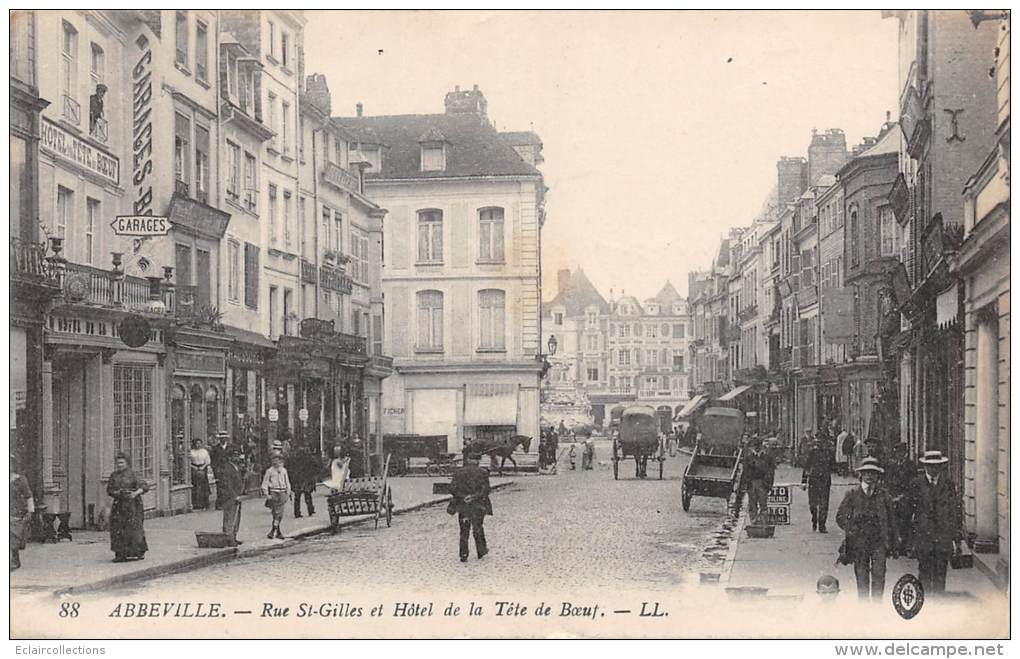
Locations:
886 516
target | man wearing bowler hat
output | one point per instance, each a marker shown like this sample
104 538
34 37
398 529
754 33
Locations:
471 503
936 517
866 515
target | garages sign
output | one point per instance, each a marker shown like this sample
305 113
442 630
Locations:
141 225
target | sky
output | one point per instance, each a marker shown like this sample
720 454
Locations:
661 130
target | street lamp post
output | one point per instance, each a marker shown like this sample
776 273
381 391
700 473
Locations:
551 345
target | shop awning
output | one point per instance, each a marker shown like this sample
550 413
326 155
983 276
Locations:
691 406
947 306
490 405
734 392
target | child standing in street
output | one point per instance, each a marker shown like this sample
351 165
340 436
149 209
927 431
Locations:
573 456
276 489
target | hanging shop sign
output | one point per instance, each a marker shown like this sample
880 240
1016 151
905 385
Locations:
141 226
274 415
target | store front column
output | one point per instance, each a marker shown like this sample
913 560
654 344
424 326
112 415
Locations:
986 467
51 490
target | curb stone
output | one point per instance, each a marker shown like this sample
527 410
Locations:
232 553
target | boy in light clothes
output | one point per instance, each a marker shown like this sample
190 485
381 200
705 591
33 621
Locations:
276 489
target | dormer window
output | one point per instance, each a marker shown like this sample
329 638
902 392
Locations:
433 150
433 157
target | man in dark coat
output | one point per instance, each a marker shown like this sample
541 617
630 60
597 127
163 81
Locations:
900 476
865 514
471 503
303 469
220 454
817 476
759 474
936 517
230 486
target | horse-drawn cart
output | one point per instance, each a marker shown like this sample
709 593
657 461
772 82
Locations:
715 466
638 437
432 448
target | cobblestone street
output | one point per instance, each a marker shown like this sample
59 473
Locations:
576 530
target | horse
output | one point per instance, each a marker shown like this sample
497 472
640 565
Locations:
503 448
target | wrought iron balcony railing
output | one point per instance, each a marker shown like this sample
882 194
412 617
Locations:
100 130
28 262
72 110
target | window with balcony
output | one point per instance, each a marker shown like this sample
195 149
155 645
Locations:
430 321
490 235
69 74
492 319
97 65
92 218
202 52
430 236
182 164
181 40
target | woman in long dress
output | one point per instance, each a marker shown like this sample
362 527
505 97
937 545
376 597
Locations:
127 534
22 508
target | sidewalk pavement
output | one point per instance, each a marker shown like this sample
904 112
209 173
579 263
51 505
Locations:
789 564
86 563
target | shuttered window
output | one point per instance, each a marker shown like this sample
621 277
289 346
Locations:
251 276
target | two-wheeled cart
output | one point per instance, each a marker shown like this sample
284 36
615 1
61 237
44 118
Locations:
715 466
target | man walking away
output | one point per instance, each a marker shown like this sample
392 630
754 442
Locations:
303 469
817 477
471 504
936 516
865 514
759 474
220 455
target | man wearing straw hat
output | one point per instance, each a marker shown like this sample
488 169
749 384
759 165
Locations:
866 515
936 518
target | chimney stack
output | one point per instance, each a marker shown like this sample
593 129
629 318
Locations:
466 102
317 92
359 108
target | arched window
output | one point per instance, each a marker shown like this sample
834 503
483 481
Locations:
490 235
492 319
430 236
430 321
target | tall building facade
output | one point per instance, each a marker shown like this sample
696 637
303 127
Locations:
466 206
167 191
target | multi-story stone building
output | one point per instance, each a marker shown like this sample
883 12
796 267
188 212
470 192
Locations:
948 106
462 276
983 269
169 337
